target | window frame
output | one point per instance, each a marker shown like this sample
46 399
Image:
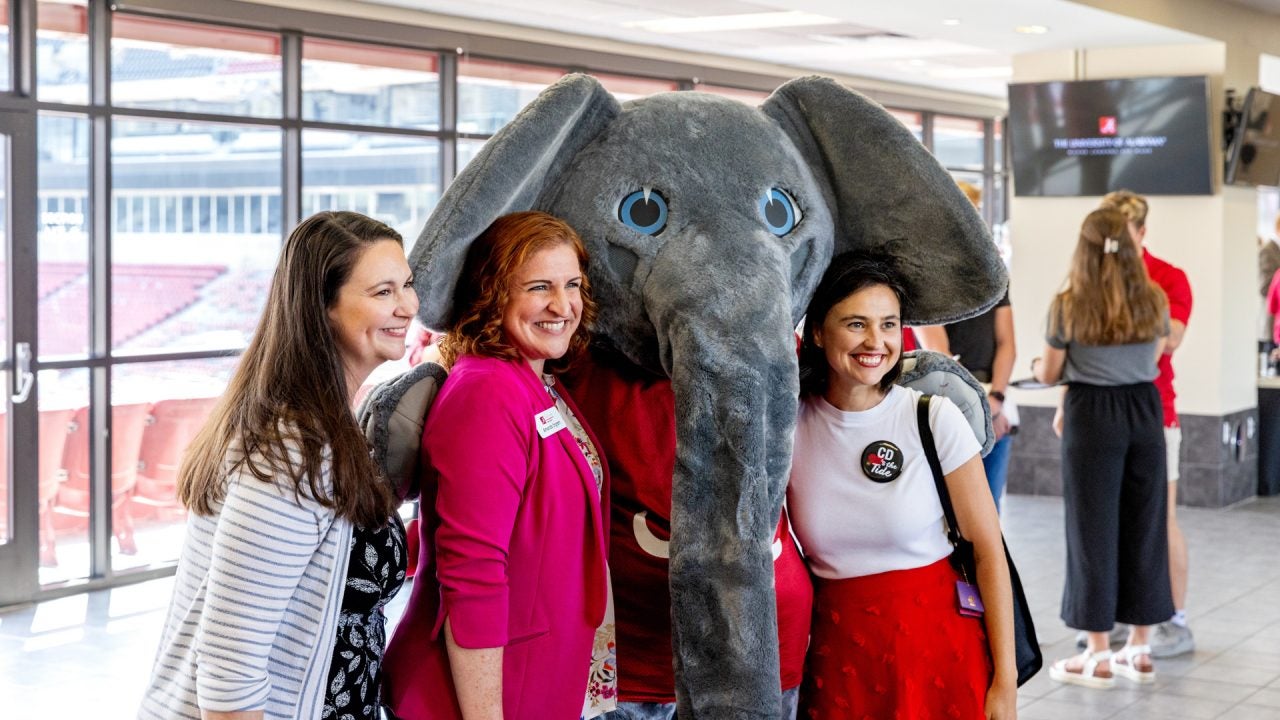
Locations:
293 27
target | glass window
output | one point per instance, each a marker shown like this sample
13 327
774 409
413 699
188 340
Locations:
974 179
467 150
63 449
5 181
625 87
6 487
998 129
998 213
392 178
170 65
959 142
4 45
62 51
6 526
199 289
750 97
62 145
490 93
1268 211
912 119
156 410
369 85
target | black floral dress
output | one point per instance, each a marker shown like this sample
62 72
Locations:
375 573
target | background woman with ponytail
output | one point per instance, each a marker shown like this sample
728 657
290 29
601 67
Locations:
1106 332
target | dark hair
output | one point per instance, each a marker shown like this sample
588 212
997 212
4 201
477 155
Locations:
484 287
848 273
290 388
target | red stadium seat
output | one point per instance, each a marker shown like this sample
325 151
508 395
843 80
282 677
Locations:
142 297
127 424
170 428
53 439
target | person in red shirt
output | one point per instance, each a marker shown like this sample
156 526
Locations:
1173 637
633 413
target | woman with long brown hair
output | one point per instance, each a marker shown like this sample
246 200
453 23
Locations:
293 544
1106 332
510 615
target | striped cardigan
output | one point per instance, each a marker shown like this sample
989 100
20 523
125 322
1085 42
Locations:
255 607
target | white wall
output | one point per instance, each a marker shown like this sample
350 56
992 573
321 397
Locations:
1210 237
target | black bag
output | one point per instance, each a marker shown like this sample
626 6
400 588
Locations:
1026 646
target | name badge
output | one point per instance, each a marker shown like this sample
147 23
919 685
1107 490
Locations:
548 422
970 601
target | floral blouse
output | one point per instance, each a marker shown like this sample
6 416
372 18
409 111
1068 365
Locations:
602 682
375 573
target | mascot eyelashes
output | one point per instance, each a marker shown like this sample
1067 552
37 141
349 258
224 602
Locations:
709 223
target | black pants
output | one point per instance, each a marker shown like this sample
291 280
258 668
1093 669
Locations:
1114 491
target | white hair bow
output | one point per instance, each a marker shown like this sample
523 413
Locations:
1110 245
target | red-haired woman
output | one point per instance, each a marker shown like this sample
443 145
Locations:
518 625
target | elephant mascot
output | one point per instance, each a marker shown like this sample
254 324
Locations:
709 224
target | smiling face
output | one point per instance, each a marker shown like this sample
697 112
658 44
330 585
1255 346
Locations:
862 340
371 312
544 305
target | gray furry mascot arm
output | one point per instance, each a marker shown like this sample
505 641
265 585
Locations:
709 224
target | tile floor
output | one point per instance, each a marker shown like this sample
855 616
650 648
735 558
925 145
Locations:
89 655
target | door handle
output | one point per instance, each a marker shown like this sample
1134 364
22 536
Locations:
22 376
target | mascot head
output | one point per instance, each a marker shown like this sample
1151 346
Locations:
709 224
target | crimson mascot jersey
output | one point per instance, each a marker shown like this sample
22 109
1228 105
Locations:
633 415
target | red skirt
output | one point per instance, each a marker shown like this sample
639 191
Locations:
894 645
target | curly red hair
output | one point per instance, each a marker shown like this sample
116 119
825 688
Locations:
485 287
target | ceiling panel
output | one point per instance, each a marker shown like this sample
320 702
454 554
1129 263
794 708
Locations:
965 47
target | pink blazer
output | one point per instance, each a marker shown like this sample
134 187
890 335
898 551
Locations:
519 551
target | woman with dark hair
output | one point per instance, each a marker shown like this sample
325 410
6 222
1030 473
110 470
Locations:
888 637
1106 333
511 616
293 545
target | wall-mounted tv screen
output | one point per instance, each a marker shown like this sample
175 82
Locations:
1254 155
1089 137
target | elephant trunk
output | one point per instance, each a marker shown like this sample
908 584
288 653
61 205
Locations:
732 364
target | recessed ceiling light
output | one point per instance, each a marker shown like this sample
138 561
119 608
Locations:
951 21
749 21
1031 29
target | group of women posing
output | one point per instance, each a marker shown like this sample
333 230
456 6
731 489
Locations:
294 544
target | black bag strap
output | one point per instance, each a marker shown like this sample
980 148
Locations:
1026 645
935 464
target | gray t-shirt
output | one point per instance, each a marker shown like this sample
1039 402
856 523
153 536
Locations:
1126 364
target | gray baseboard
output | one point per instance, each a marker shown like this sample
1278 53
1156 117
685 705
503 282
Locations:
1219 458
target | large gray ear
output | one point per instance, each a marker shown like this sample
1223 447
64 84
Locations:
892 197
512 170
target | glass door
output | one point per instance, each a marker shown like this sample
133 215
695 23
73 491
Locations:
19 485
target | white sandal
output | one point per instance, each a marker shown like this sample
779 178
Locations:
1124 665
1088 674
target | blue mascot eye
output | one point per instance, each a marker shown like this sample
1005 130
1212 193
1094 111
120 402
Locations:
644 211
779 211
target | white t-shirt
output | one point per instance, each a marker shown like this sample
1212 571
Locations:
850 525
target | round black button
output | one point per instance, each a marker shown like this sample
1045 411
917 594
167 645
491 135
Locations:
882 461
